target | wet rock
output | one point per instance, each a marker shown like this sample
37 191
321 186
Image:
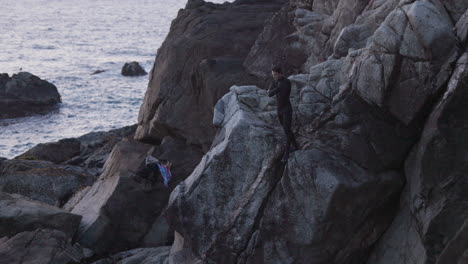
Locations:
24 94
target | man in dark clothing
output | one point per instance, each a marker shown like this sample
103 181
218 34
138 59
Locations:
281 87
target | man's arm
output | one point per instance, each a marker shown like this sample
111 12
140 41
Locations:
273 89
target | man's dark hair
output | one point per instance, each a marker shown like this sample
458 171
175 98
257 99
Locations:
277 69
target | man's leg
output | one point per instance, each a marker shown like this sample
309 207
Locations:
284 124
287 117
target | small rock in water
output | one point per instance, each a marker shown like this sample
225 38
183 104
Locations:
133 69
98 71
24 93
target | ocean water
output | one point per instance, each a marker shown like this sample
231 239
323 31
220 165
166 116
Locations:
63 42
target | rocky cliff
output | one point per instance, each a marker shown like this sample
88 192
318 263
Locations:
379 96
381 174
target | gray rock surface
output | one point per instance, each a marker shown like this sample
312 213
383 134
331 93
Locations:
197 63
89 151
117 210
265 212
133 69
158 255
432 220
24 94
19 214
43 180
379 99
41 246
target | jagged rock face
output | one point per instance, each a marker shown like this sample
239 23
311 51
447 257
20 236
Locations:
199 60
409 60
433 210
276 45
358 114
305 33
264 212
25 93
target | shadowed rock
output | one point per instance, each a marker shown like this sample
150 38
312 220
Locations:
24 94
89 150
433 215
41 246
117 210
133 69
18 214
197 63
42 180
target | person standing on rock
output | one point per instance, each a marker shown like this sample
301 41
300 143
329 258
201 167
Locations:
281 87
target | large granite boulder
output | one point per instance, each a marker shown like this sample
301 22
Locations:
321 206
199 60
24 93
118 210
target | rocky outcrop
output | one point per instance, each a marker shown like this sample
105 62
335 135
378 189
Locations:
117 210
23 94
379 97
41 246
42 180
266 212
199 60
133 69
433 217
89 151
19 214
33 232
372 77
